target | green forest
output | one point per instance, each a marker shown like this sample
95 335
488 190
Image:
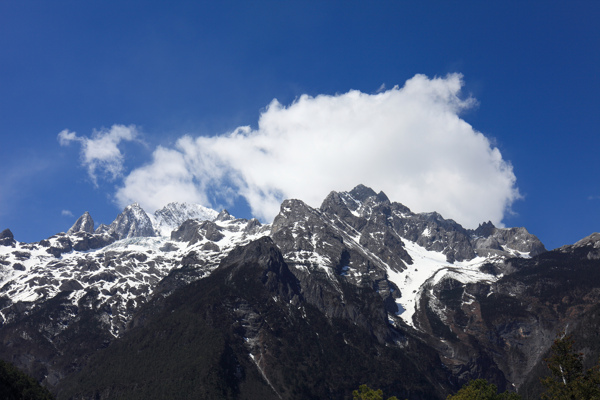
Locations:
567 380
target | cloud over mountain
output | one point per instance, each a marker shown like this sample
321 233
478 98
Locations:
101 151
409 142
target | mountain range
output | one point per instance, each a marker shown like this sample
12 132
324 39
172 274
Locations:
189 302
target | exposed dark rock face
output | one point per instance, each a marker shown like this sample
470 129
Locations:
83 241
194 231
589 245
60 245
319 250
187 232
6 238
261 261
501 331
489 240
54 339
429 230
252 335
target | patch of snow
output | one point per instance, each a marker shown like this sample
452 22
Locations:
429 267
515 253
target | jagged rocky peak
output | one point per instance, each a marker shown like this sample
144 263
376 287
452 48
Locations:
174 214
363 207
132 222
368 197
85 223
588 247
224 216
102 228
341 204
521 240
592 240
359 202
488 240
289 211
262 261
362 192
484 230
7 238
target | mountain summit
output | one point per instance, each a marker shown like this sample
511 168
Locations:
305 307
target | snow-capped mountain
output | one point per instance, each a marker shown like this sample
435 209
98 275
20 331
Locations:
120 264
449 301
135 222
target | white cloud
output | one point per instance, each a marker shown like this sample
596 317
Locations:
169 177
66 213
101 151
409 142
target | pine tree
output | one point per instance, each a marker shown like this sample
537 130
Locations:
480 389
568 381
16 385
366 393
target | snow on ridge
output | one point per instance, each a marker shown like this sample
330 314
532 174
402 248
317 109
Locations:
124 272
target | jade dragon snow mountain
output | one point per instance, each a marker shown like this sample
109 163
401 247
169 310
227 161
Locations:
192 303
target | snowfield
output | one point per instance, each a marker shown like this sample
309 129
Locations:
429 267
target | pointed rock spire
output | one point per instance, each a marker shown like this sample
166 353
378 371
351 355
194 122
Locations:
132 222
7 238
362 192
85 223
224 216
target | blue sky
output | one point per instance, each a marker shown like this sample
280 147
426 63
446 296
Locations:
180 77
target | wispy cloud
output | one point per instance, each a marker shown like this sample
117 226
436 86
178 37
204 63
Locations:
409 142
66 213
101 152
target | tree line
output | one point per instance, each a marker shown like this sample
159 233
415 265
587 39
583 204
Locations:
568 380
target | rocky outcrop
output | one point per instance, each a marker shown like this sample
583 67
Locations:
85 223
363 206
321 248
590 246
502 330
194 231
102 228
224 216
261 262
6 238
488 240
132 222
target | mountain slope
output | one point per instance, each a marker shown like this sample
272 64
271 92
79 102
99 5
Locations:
359 290
245 332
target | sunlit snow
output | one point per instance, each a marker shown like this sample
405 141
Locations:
429 267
